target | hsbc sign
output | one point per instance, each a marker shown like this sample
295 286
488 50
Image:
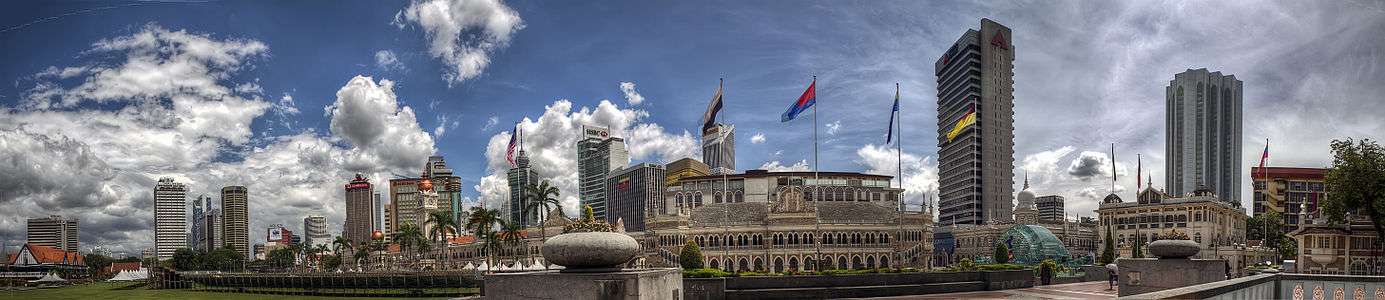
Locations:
595 132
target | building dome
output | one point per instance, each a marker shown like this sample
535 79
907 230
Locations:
1025 197
1203 190
377 235
1112 198
1031 244
425 185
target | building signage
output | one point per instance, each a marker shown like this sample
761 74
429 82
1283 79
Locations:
595 132
358 186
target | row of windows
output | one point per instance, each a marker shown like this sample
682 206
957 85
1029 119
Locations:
788 238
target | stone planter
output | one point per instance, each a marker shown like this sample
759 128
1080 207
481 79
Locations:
1174 249
590 250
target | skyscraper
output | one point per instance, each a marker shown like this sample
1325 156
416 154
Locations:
235 218
1050 207
360 210
635 194
520 177
404 204
54 231
215 232
315 231
976 168
170 217
198 231
447 185
597 154
719 148
1203 134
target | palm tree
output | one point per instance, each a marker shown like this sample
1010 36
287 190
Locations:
444 226
512 234
482 221
545 198
341 242
408 236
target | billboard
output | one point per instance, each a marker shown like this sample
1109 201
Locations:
593 132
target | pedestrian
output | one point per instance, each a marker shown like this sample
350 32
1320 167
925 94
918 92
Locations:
1111 278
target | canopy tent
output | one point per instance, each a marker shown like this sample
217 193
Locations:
517 267
131 275
469 267
535 266
484 267
50 278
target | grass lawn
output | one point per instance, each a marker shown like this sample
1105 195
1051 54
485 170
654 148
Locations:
118 291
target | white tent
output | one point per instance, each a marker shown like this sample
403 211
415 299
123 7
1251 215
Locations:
503 268
50 278
484 267
535 266
130 275
469 267
517 267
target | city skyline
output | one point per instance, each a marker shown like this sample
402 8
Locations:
394 91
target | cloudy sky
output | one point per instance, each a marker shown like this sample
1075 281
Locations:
100 100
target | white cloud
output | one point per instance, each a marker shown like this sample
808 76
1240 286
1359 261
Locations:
368 115
1043 166
490 123
833 127
631 96
776 166
386 60
758 138
462 33
550 142
920 173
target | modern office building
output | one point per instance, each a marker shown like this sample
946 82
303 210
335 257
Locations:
597 154
976 167
719 148
54 231
1050 207
405 204
379 212
315 231
360 210
519 178
214 229
1284 190
1203 134
198 229
683 168
170 217
447 185
235 218
634 194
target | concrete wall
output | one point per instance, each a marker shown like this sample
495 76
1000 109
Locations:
853 286
625 284
1144 275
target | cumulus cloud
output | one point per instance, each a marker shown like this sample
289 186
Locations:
386 60
178 114
1044 165
490 123
462 33
631 96
833 127
758 138
920 173
1090 164
776 166
550 141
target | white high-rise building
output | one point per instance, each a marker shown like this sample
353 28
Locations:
315 231
170 218
597 154
1203 134
719 148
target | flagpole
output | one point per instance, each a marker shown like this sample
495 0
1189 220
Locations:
899 162
725 206
817 196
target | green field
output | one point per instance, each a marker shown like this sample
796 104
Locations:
122 291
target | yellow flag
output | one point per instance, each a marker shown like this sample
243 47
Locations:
967 120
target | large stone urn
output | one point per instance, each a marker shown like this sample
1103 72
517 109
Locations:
1174 249
590 250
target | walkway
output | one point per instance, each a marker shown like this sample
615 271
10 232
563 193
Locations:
1081 290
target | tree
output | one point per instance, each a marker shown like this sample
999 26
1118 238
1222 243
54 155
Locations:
513 235
97 263
482 221
1108 253
1288 249
443 224
186 259
281 258
331 262
545 198
224 259
1356 183
1135 249
340 243
409 236
691 256
1002 253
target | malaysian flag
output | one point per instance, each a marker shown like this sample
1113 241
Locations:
514 144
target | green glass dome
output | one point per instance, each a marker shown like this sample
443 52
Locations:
1031 244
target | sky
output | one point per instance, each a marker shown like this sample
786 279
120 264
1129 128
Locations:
98 99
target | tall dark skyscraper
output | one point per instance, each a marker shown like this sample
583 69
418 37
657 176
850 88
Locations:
360 210
598 153
235 209
635 194
1203 134
976 167
519 178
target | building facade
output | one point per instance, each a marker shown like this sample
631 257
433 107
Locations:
214 232
360 210
719 148
170 217
235 210
519 178
1050 207
1030 237
977 166
1203 134
405 205
54 231
1353 248
315 231
197 229
1219 227
447 185
597 154
1284 190
683 168
635 194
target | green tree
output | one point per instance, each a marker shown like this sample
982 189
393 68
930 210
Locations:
281 258
691 256
186 259
341 243
1356 183
512 235
1108 252
409 237
1002 253
331 262
224 259
544 199
481 221
443 225
1135 251
97 263
1288 249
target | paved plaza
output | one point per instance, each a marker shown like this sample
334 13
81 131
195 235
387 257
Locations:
1081 290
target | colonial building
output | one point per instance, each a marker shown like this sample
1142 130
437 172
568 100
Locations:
37 258
1218 226
1030 238
1323 248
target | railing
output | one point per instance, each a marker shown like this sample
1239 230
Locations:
1280 286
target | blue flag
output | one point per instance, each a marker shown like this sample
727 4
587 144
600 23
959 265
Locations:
889 133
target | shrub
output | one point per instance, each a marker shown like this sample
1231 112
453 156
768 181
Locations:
691 256
704 273
1002 253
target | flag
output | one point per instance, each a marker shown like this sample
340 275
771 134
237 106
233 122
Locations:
1113 168
805 101
967 120
1137 173
889 133
1264 156
710 117
514 143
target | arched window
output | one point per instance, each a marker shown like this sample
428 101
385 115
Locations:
1197 237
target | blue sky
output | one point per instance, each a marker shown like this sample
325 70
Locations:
1087 74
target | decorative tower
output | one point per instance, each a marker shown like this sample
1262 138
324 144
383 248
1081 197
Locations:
428 200
1025 212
